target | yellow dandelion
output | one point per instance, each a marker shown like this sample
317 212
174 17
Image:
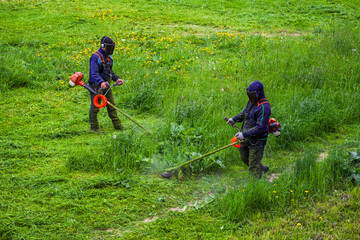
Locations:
299 224
320 218
274 191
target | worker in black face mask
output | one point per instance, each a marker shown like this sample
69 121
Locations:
255 130
101 74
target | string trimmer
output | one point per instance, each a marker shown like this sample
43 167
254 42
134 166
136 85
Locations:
234 142
274 128
76 79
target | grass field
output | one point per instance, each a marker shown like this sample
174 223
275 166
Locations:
186 65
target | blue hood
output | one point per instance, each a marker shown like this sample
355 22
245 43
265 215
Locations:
257 86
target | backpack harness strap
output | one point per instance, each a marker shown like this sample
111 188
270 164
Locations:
262 101
101 58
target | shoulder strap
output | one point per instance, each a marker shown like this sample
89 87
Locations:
100 56
102 63
262 101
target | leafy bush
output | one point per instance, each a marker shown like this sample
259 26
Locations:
145 98
187 112
354 165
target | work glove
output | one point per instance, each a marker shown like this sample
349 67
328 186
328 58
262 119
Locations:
276 133
240 136
231 122
119 82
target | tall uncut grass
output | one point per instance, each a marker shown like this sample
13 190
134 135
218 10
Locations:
309 179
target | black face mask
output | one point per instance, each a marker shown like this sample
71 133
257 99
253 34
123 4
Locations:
109 48
252 96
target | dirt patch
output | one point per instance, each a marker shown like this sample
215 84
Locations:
271 177
201 31
263 34
148 220
115 232
322 156
177 209
192 29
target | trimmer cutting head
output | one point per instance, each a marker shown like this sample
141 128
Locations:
165 175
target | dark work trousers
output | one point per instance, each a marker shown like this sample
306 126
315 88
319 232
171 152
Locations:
94 125
251 153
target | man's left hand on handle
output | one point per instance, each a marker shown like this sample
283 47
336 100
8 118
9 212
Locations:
119 82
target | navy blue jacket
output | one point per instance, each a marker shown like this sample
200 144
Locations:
256 119
99 72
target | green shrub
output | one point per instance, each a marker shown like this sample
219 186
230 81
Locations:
188 112
144 97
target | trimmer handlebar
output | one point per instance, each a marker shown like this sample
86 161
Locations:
233 125
109 87
108 84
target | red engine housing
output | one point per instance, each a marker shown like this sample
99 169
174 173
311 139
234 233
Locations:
77 78
274 125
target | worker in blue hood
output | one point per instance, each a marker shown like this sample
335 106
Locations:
100 77
254 132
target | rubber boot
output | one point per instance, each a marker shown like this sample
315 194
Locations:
115 119
94 124
264 168
119 127
112 112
